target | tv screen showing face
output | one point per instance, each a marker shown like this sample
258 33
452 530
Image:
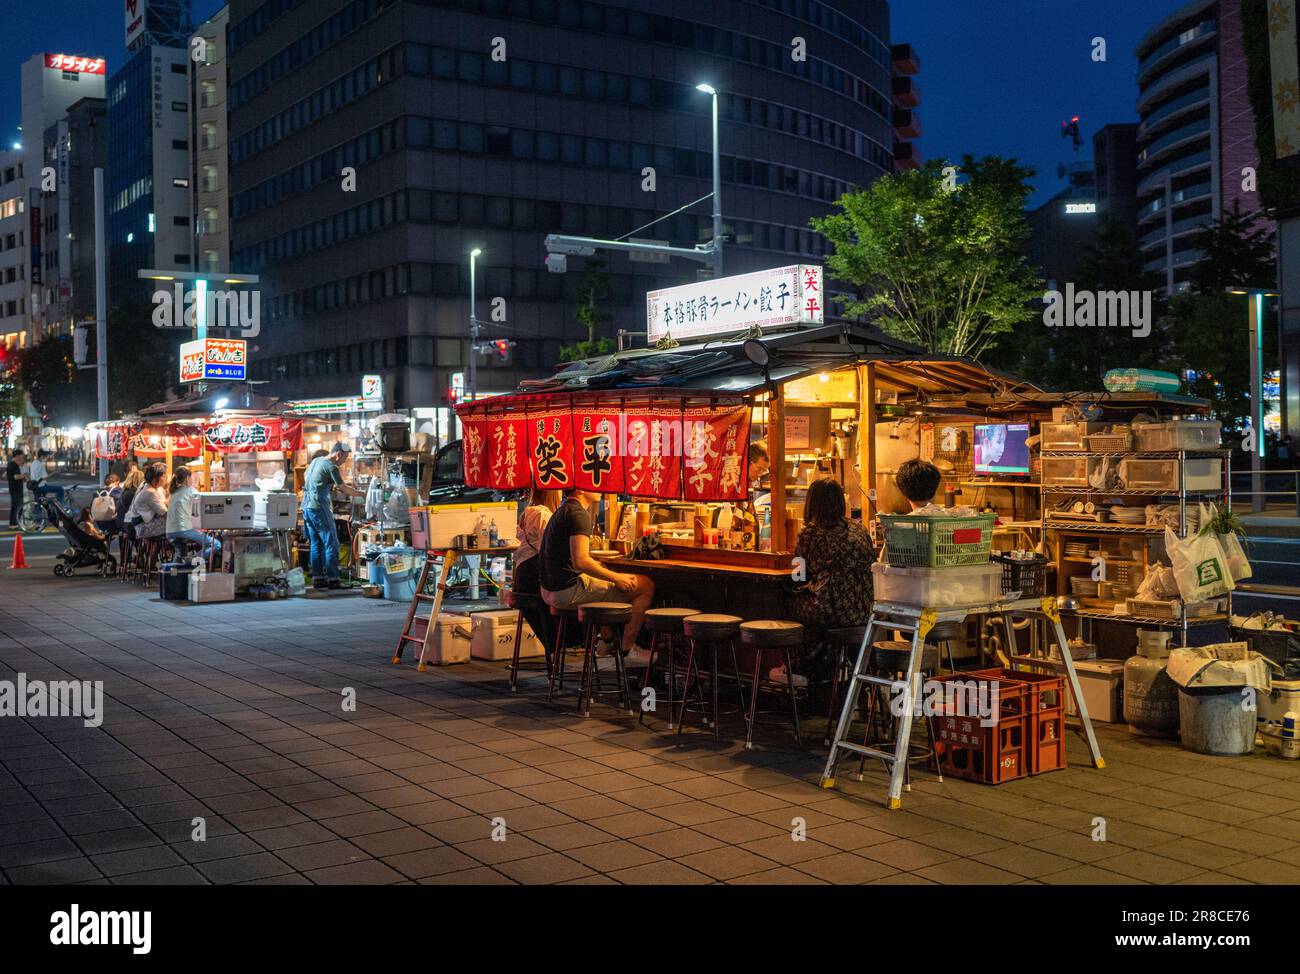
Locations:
1000 448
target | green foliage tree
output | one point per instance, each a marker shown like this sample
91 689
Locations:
592 313
61 393
938 261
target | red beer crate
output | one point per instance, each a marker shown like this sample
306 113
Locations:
1045 704
969 749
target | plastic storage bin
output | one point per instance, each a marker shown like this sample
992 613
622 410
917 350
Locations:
1116 441
937 588
1102 684
1178 434
1027 576
1200 473
1066 437
936 540
212 587
1066 471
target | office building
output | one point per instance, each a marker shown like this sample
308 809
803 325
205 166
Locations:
1062 229
63 140
149 203
14 255
1114 170
1197 132
476 125
210 173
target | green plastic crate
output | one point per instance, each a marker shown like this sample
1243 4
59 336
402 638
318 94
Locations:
937 541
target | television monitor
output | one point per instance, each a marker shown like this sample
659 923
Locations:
1001 448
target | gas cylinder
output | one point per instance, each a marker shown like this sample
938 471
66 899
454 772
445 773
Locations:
1150 697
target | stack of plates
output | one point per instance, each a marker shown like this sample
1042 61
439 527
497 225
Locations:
1129 515
1076 549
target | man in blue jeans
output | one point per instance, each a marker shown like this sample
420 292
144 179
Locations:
321 479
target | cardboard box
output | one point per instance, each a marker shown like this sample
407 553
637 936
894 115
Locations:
494 636
214 587
1102 683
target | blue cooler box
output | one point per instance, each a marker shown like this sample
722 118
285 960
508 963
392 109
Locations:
174 581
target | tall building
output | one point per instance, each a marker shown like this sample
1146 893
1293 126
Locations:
1062 229
15 258
1114 170
149 205
210 173
907 102
63 141
485 125
1197 132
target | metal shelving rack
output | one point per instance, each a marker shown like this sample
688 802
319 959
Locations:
1058 527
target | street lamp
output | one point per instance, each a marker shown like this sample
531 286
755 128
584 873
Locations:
717 183
471 388
1255 328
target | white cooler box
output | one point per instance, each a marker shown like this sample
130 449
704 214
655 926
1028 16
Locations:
1272 705
448 520
276 511
1102 683
212 587
451 640
494 636
222 512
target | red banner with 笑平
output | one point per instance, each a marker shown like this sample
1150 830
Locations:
474 451
507 452
550 447
652 460
715 453
597 457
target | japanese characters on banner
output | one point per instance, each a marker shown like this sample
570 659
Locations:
715 453
150 442
252 435
507 452
111 442
475 451
653 461
550 447
596 450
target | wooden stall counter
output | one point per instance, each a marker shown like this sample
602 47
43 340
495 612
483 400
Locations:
749 584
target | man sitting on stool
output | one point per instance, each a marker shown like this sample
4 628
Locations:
572 577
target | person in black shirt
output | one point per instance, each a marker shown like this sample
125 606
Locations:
14 475
571 576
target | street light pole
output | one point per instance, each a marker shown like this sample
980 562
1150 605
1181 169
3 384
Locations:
471 387
101 306
717 183
1255 329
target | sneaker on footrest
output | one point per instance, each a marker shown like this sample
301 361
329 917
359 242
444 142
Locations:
779 675
637 655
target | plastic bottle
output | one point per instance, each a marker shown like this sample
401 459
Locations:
493 535
627 531
481 531
765 534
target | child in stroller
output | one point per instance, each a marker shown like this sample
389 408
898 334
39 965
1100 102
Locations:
85 549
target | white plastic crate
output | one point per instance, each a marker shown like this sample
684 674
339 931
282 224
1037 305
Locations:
1201 473
1177 434
1066 471
1066 437
937 587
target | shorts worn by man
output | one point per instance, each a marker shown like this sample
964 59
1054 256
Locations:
571 577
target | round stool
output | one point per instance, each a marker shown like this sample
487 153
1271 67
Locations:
524 602
595 616
566 621
846 641
709 630
762 635
665 627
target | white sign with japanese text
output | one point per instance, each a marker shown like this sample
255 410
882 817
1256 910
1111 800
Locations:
781 297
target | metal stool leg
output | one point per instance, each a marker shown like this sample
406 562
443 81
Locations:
686 686
588 662
514 660
753 696
835 692
650 675
794 700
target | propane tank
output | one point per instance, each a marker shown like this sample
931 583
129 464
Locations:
1150 696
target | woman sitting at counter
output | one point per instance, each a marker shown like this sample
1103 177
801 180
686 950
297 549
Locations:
180 516
527 577
147 517
837 556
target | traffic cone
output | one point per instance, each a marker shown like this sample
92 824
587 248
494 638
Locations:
19 559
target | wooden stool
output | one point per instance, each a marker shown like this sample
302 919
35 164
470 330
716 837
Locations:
665 626
566 619
765 634
847 641
522 602
710 630
596 616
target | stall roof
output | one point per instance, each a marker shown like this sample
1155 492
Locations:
720 368
240 401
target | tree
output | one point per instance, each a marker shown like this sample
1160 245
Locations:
61 393
937 262
593 293
142 359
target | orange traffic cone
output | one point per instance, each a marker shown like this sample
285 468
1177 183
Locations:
20 559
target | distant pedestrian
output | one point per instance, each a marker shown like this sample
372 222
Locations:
15 477
39 474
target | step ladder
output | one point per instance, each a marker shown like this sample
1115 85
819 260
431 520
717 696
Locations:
918 621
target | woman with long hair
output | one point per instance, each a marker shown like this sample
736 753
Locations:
147 516
527 578
180 516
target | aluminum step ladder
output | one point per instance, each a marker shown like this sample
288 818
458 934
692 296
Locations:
918 621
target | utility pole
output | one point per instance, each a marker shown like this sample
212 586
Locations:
471 387
101 305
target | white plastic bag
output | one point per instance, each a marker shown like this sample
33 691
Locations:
1200 566
1238 563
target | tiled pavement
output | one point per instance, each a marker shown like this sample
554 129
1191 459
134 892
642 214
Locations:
233 713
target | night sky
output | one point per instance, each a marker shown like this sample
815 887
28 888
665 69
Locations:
997 76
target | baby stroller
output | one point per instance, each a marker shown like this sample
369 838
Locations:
86 550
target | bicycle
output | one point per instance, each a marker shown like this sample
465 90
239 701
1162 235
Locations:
32 516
